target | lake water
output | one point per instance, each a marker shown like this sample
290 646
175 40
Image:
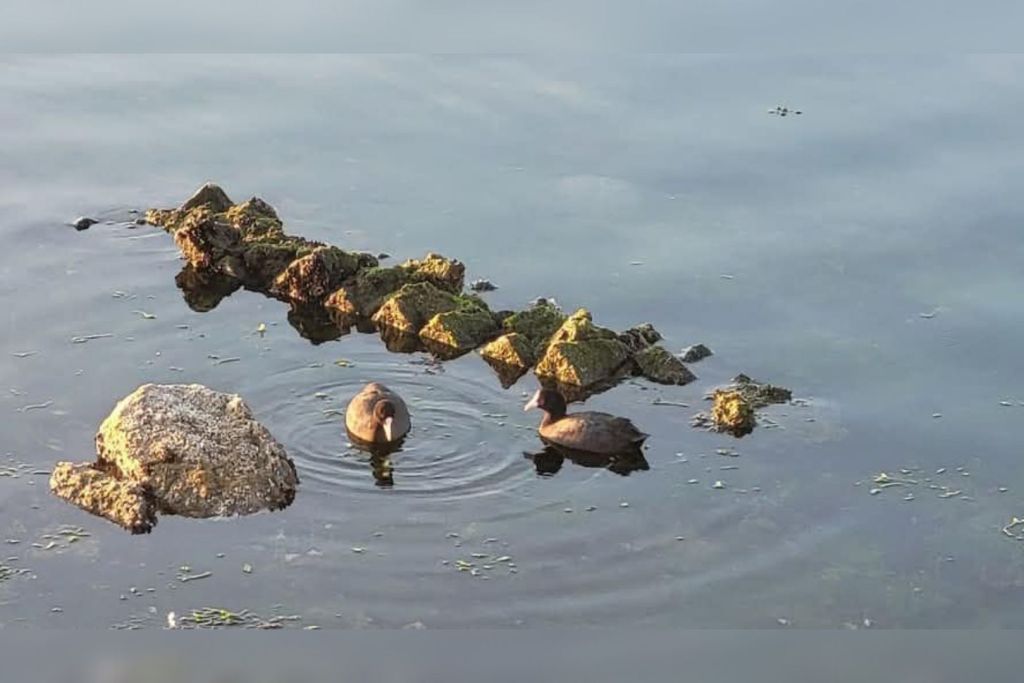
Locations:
865 254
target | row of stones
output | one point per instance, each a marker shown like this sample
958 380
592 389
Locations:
419 302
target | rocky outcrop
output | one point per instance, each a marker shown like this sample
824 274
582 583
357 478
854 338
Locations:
179 449
582 354
511 356
363 294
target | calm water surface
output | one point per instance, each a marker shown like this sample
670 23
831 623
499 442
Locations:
803 250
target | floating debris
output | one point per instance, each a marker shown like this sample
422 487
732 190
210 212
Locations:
145 315
89 337
185 577
662 402
261 329
35 406
218 617
344 363
782 110
222 361
23 354
247 568
718 484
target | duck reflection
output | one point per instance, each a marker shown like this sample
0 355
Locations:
549 461
380 458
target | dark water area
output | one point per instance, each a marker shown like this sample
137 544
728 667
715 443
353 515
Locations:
865 254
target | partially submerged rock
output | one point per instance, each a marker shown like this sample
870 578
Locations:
312 277
453 333
511 356
732 412
583 354
179 449
658 365
482 285
362 295
412 306
640 337
760 394
536 324
84 223
204 240
444 273
210 195
694 353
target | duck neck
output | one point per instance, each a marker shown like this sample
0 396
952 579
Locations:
551 418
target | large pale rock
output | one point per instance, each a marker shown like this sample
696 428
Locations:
180 449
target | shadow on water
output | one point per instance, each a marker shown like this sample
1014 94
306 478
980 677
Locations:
549 461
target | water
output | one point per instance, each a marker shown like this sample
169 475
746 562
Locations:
803 250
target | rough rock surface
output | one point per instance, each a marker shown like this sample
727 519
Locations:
694 353
179 449
582 354
510 355
760 394
658 365
732 412
313 276
454 333
204 240
362 295
640 337
536 324
443 273
412 306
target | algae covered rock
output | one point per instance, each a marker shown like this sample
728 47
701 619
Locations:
640 337
362 295
443 273
209 197
180 449
312 277
204 240
453 333
760 394
510 355
583 354
694 353
732 412
658 365
536 324
412 306
254 219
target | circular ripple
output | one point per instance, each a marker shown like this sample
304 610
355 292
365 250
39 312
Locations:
463 443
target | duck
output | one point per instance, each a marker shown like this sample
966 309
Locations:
377 415
589 431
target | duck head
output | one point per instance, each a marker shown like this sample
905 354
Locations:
384 415
548 400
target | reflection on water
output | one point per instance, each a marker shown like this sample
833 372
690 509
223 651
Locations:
803 249
549 461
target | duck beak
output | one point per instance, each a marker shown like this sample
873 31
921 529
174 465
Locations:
387 428
532 403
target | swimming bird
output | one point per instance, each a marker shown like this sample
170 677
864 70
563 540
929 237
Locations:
377 415
586 431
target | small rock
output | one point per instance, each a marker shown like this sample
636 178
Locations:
482 285
84 223
694 353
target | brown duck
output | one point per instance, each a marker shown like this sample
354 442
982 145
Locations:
586 431
377 415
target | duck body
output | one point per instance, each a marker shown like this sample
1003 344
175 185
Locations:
377 415
588 431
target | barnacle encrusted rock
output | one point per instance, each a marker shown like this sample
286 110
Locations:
180 449
659 365
582 354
